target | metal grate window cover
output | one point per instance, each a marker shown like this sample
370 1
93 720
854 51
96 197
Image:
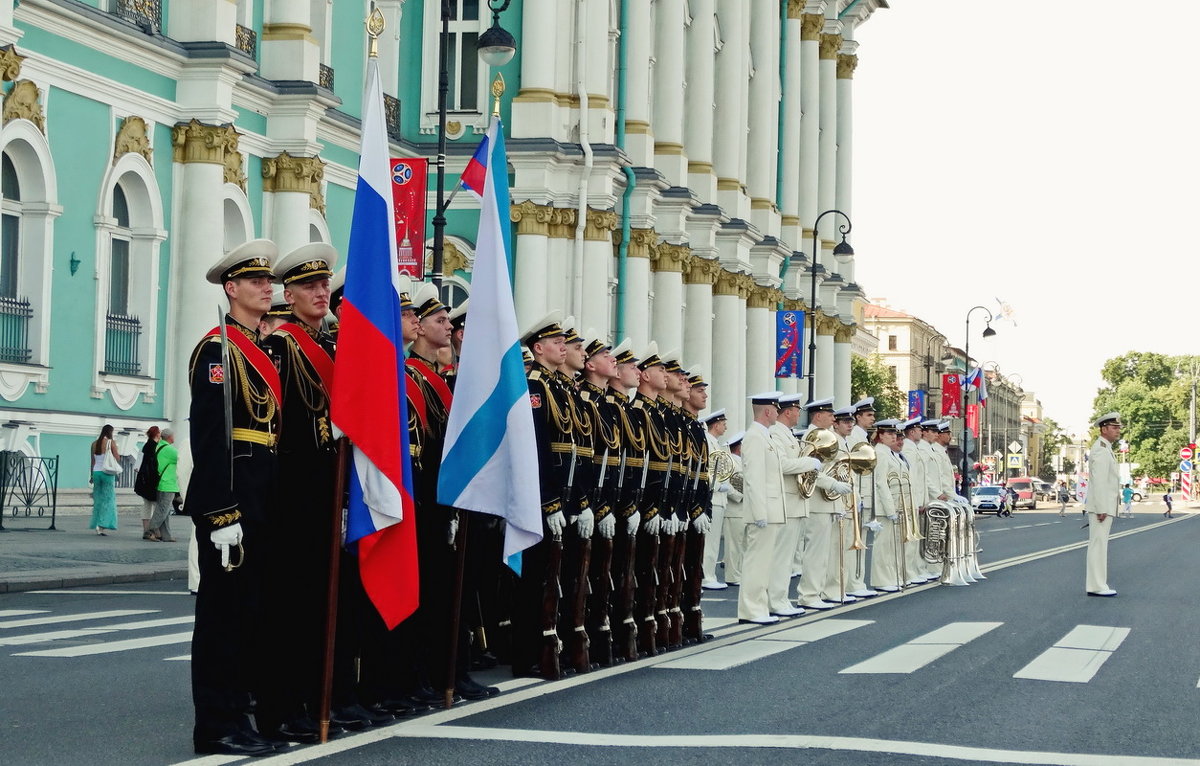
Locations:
391 114
246 40
121 340
146 14
325 78
15 314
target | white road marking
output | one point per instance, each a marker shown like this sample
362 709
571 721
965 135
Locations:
512 684
1047 523
21 612
1077 656
180 658
712 623
59 635
727 657
1022 526
815 631
916 654
77 591
31 622
112 646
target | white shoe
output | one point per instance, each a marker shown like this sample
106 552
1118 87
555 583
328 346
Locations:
796 574
1107 592
863 593
713 585
788 611
818 604
889 589
766 620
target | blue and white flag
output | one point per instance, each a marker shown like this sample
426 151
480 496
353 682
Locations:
489 463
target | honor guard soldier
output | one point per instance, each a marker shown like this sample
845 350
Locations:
628 495
301 514
699 510
536 601
458 326
670 560
795 505
652 490
863 414
604 413
1102 502
886 504
715 424
234 417
820 583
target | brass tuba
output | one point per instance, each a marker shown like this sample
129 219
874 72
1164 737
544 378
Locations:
822 444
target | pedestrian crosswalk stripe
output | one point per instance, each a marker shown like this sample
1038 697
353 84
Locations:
727 657
1077 656
916 654
59 635
33 621
111 646
21 612
82 592
513 684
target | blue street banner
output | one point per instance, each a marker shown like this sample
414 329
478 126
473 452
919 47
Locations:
916 404
789 328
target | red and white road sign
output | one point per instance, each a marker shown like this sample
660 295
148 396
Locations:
1185 453
1185 486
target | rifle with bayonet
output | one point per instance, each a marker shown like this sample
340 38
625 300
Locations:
577 641
600 577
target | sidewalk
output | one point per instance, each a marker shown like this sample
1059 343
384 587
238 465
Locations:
34 557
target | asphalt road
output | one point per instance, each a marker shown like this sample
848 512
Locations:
1019 668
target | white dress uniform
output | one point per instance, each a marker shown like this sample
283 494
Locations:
1103 496
763 489
795 512
735 527
917 567
853 578
820 541
933 492
888 548
712 541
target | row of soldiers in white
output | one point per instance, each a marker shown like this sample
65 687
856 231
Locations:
772 532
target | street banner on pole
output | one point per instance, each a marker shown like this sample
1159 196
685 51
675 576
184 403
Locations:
973 419
916 403
788 325
409 182
951 395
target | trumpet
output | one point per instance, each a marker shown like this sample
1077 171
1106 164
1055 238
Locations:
860 461
822 444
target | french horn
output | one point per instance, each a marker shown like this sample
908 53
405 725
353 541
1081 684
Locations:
822 444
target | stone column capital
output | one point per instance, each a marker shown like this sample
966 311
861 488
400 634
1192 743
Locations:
810 26
795 9
600 225
727 283
196 141
24 102
846 64
10 63
641 242
830 45
827 325
702 271
286 173
762 297
669 257
562 222
531 218
844 333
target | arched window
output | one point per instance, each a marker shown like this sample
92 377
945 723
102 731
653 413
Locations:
10 230
466 98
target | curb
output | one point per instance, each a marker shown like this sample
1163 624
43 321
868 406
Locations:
48 580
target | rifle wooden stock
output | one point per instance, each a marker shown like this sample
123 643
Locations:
551 593
578 640
693 617
600 602
664 590
647 592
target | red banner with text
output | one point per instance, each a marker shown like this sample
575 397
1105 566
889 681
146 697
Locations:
973 419
409 182
952 395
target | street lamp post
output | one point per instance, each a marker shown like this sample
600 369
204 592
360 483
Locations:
965 488
842 248
495 47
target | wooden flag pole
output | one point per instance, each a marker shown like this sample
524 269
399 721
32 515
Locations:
331 598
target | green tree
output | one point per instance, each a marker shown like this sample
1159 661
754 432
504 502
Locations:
1152 392
1053 438
870 377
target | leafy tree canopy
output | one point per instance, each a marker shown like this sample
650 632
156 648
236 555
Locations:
870 377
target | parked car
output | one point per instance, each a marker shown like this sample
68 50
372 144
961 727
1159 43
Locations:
1045 490
1023 492
989 499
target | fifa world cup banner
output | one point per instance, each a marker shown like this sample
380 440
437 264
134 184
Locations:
973 419
916 404
409 183
952 395
789 331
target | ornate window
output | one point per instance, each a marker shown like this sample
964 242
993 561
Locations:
466 96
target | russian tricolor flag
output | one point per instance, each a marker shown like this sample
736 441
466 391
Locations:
368 402
976 380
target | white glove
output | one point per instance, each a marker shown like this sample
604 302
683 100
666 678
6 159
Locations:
452 530
667 527
585 524
874 526
724 486
607 526
702 524
556 523
893 517
225 538
760 523
632 523
681 526
808 464
841 487
653 525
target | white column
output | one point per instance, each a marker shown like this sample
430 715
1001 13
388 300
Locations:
666 320
535 106
531 287
831 42
731 86
597 257
846 63
560 264
289 184
389 44
639 143
841 366
637 288
826 378
763 148
288 50
196 20
789 204
599 78
728 389
670 55
810 106
760 340
698 316
701 84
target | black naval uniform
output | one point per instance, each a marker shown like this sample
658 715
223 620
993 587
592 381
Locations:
577 498
649 420
627 499
606 458
230 484
670 561
699 504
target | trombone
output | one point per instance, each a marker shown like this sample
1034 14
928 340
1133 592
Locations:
901 530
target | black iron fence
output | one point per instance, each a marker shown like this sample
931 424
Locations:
122 337
15 314
325 77
28 486
246 40
147 14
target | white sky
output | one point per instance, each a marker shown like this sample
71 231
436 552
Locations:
1044 154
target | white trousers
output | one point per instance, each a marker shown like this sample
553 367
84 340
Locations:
786 541
1097 552
819 539
753 602
735 547
856 579
886 553
712 543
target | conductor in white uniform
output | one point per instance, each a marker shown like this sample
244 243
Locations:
1102 501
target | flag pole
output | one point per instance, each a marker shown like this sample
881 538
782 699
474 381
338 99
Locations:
331 598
